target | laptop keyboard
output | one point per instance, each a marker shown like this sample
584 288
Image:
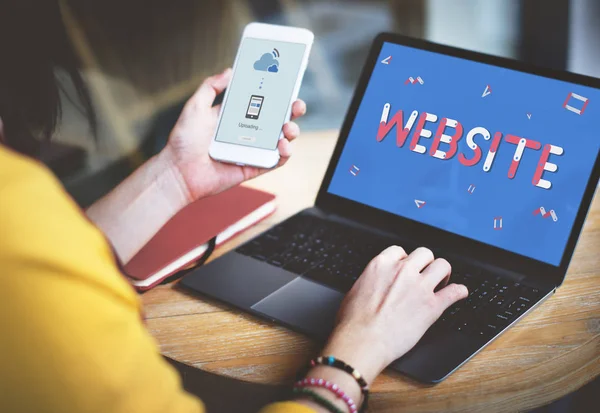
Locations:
336 255
330 253
493 303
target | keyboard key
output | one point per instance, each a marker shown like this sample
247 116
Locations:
299 266
275 262
509 315
489 330
454 310
462 326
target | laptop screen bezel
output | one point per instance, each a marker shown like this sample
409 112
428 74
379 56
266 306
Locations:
434 237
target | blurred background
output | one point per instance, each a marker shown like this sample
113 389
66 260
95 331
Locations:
143 58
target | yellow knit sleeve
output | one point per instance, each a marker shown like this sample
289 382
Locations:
287 407
73 339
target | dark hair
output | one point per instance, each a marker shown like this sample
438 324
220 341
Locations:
33 46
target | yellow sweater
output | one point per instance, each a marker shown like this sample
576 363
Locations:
71 332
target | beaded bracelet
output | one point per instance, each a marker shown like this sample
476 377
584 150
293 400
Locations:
334 388
317 398
339 364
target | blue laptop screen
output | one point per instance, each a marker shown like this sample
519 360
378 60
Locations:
496 155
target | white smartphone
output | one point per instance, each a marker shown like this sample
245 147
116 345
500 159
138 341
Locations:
267 74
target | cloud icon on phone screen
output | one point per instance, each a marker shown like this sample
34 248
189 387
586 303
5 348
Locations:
267 63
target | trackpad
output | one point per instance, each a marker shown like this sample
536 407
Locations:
303 305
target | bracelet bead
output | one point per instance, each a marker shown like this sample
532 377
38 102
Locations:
317 398
339 364
332 387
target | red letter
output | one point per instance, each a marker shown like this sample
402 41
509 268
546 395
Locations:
489 159
471 144
385 127
544 165
420 131
521 143
440 136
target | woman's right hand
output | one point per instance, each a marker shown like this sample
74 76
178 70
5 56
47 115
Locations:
384 315
390 307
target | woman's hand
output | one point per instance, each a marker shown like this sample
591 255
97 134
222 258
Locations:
384 315
390 307
181 173
190 139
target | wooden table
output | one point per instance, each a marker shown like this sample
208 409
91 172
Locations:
552 352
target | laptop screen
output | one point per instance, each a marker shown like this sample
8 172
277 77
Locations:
492 154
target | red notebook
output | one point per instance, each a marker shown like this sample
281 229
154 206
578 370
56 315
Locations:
184 239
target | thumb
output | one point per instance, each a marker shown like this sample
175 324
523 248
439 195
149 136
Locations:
211 87
450 294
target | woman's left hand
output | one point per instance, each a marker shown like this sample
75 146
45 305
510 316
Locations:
190 139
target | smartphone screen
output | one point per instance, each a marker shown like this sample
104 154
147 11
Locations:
260 92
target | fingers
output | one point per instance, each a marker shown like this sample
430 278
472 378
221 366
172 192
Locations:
298 109
285 150
211 87
436 272
291 131
451 294
394 252
384 267
420 258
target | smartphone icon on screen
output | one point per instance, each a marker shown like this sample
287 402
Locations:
254 106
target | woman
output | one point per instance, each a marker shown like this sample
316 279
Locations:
73 337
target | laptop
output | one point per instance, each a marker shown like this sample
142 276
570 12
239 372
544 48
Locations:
490 162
